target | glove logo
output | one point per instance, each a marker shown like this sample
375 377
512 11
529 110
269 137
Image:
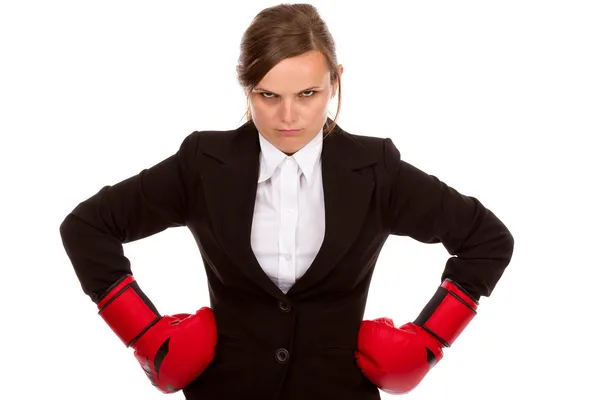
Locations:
160 355
153 371
430 358
148 371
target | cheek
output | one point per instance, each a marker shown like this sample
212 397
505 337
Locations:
321 106
259 110
315 104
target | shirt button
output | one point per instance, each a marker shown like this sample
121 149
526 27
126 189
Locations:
291 210
284 306
282 355
288 257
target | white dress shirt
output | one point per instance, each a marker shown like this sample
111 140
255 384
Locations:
288 226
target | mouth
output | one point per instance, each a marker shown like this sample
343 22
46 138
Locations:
288 131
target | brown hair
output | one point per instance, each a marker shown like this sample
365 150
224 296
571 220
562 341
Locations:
279 32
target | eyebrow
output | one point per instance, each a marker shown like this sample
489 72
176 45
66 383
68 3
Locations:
269 91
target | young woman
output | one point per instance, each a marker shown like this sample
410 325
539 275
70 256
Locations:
289 212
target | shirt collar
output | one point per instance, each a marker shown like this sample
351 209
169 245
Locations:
307 157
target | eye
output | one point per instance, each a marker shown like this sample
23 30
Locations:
268 95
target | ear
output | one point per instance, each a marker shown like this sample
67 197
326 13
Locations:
247 94
337 83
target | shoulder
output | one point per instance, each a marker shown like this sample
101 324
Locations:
209 139
381 148
212 141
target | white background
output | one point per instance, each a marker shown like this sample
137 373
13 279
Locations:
501 100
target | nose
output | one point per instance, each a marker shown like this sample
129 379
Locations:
288 111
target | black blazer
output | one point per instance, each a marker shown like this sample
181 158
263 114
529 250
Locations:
299 345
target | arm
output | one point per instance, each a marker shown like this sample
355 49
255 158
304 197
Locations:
172 350
428 210
157 198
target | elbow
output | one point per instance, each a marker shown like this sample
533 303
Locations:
65 227
68 230
68 226
73 229
506 244
510 244
499 240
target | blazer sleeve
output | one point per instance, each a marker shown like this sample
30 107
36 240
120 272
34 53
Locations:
428 210
149 202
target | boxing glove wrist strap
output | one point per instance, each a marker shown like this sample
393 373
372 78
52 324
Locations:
127 310
448 312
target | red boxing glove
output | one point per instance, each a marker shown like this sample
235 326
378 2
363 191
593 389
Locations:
172 350
397 359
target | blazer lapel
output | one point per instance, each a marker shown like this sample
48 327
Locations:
347 195
230 192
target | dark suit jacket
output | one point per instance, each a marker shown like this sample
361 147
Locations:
299 345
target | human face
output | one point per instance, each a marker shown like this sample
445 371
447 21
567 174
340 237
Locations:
293 95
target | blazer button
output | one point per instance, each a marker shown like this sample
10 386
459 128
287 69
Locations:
282 355
284 306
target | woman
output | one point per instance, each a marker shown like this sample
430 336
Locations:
289 212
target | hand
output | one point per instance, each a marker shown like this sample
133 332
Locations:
177 349
173 350
397 359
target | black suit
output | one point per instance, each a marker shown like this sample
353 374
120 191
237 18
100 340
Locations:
299 345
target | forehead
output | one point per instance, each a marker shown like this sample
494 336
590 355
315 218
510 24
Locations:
297 73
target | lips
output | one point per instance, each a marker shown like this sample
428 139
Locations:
288 131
